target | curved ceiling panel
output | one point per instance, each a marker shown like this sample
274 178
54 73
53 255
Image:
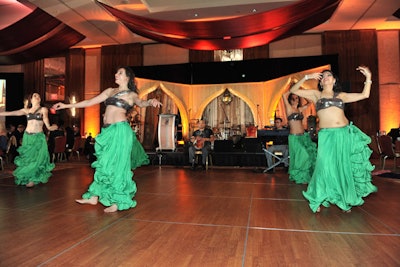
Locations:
36 36
240 32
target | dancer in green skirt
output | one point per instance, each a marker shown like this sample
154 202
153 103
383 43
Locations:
117 150
33 162
342 174
302 150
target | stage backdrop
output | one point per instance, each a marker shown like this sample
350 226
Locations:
193 101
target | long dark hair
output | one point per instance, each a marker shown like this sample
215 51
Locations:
129 73
28 100
290 96
336 87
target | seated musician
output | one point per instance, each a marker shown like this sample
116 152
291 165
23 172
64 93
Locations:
280 144
200 140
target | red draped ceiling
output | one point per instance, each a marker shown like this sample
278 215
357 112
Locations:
36 36
240 32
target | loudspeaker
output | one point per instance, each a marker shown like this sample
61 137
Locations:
252 145
223 145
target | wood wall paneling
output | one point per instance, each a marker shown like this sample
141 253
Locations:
34 78
118 55
356 48
297 46
197 56
258 52
114 56
389 78
74 82
162 54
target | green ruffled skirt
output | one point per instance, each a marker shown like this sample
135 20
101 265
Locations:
342 174
118 152
303 152
33 163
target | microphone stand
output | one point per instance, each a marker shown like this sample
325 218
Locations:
226 120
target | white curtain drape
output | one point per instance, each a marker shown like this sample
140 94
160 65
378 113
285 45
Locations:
228 119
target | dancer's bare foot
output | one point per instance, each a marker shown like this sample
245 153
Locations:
91 201
112 208
346 211
30 184
318 210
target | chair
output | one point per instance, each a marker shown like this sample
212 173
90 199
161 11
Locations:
397 146
198 154
59 148
11 148
277 158
387 150
376 152
76 148
4 152
2 155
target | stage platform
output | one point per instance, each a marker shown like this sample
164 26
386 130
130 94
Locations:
225 153
180 158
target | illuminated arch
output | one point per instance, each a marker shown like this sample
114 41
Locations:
177 101
211 97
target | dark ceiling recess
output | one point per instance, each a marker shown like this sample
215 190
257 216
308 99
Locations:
239 32
257 70
36 36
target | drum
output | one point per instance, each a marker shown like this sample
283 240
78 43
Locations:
225 133
236 130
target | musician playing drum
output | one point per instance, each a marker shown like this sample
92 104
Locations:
200 140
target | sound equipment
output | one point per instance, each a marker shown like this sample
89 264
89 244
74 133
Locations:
223 145
252 145
278 137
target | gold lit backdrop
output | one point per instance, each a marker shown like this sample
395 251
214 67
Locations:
252 103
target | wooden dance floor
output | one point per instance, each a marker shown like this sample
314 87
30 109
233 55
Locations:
223 217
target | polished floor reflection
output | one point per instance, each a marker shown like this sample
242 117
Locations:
222 217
